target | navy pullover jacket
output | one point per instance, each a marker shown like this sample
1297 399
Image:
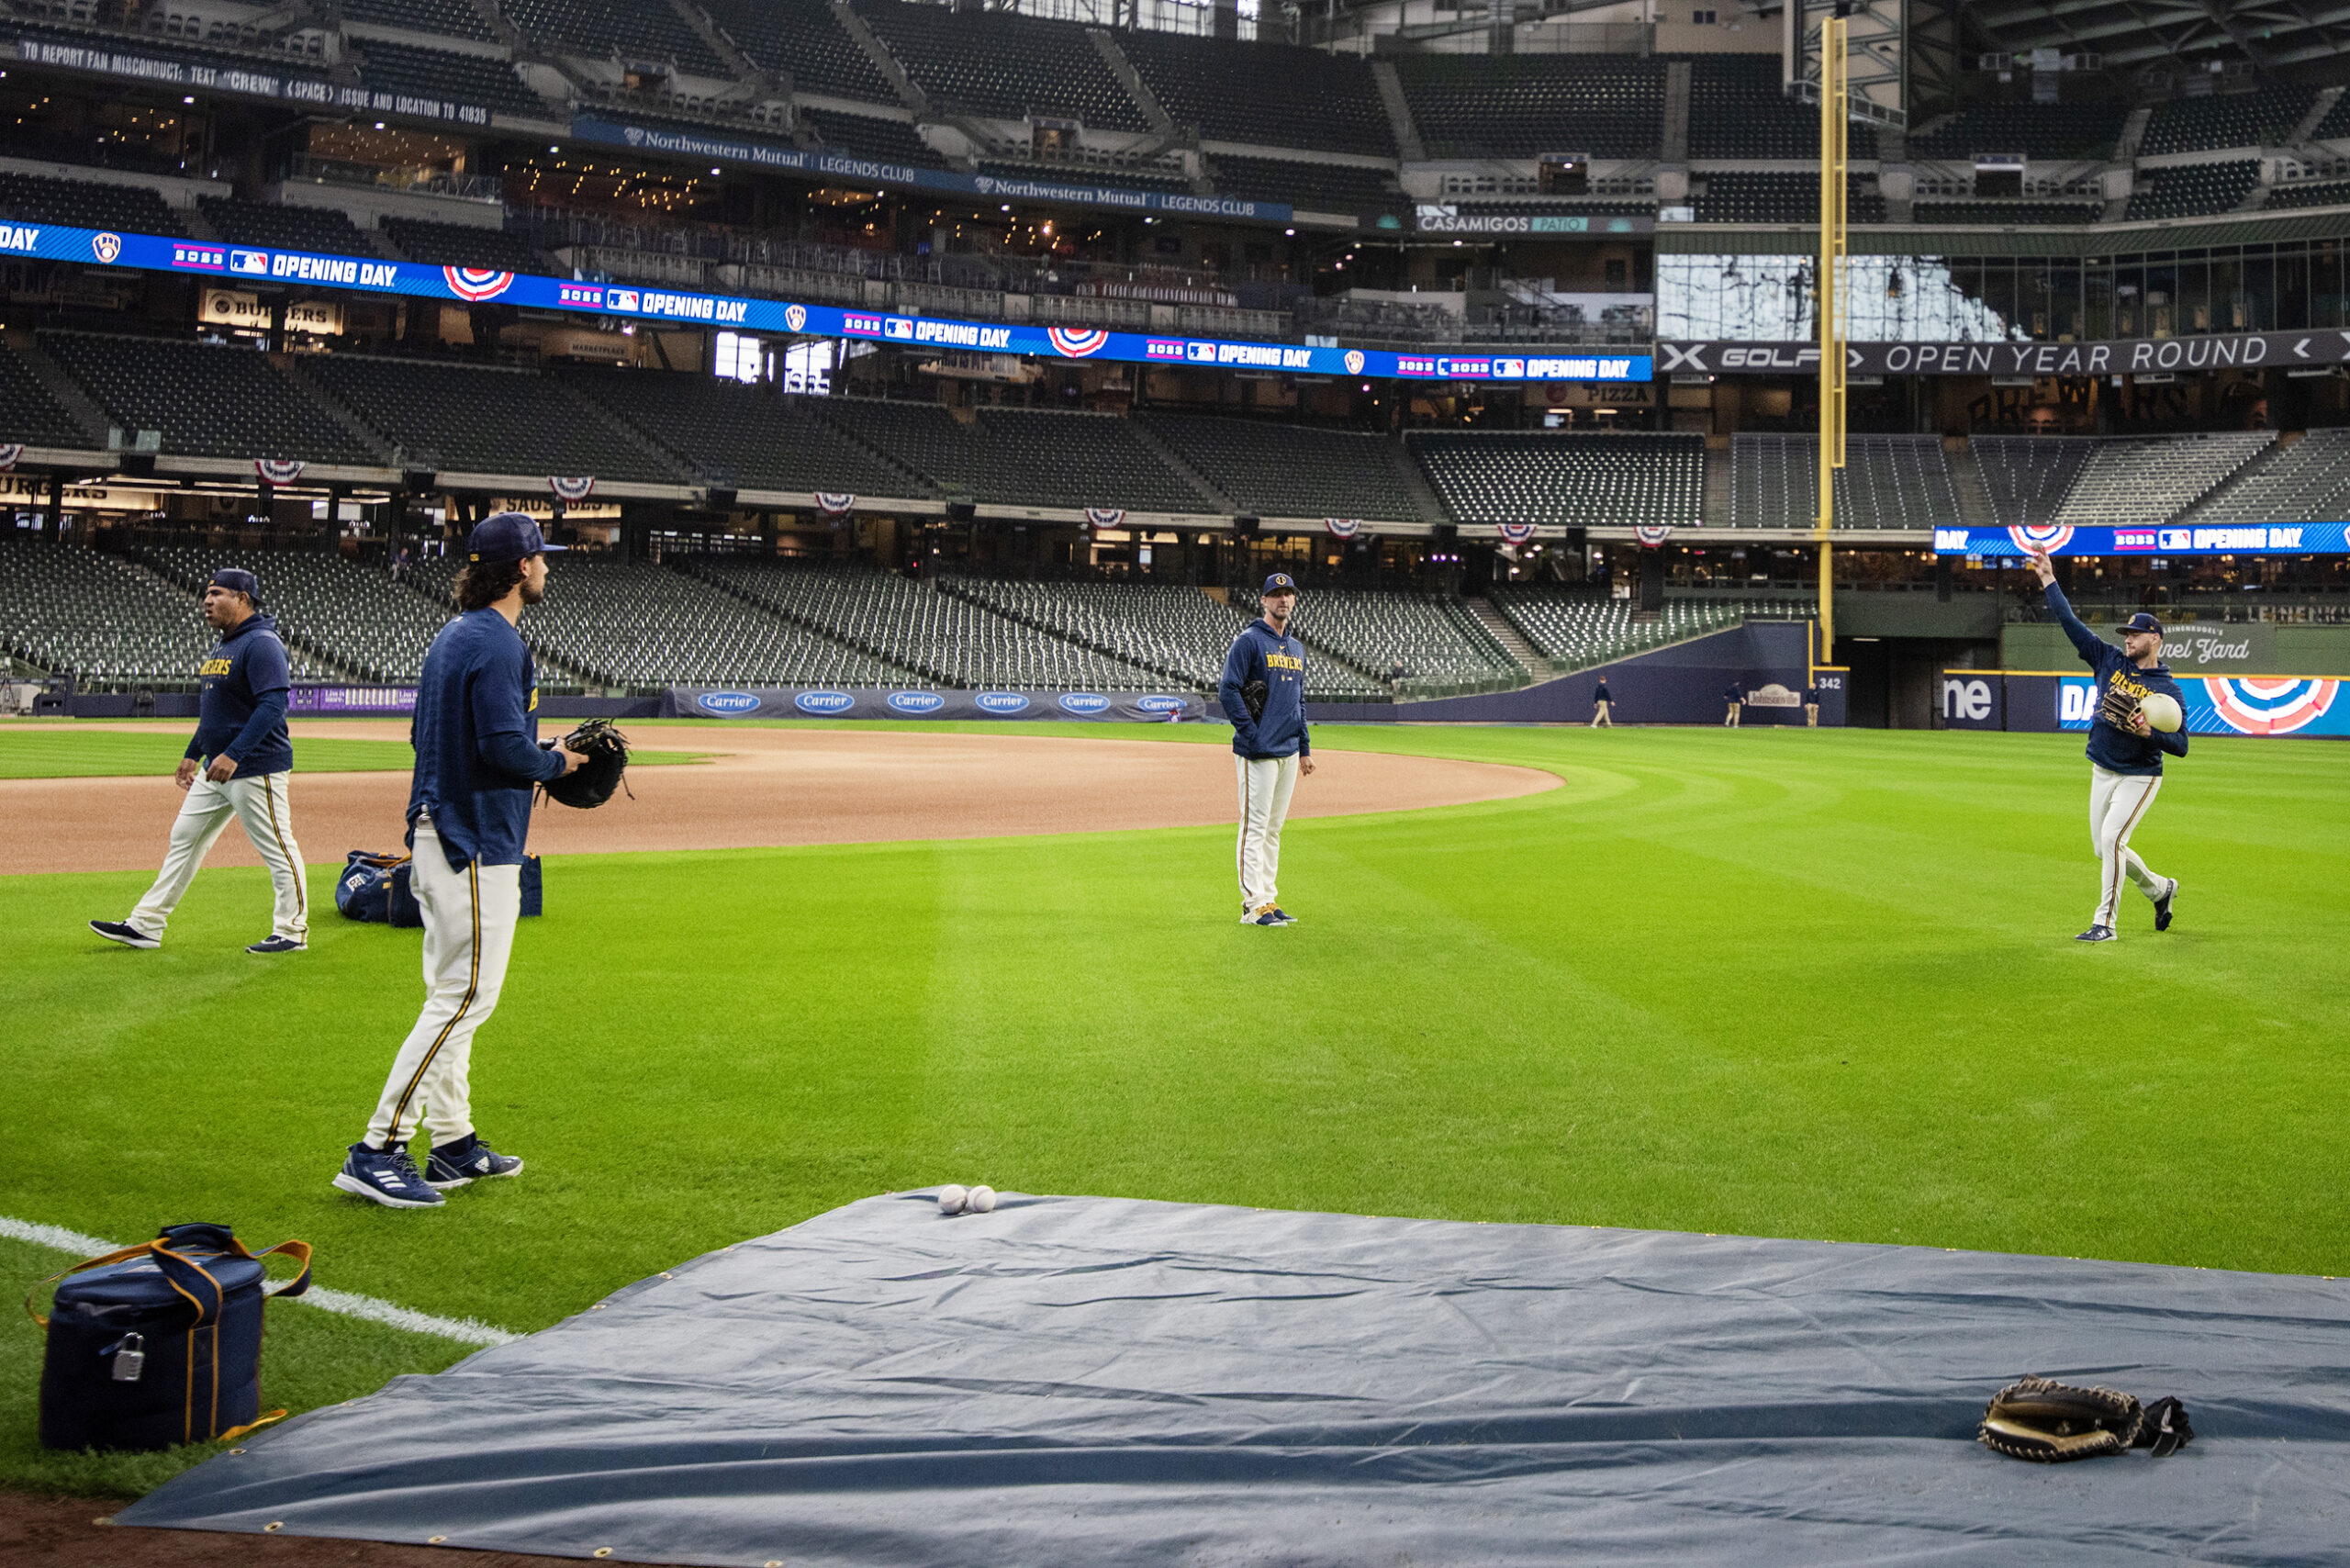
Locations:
241 715
476 734
1260 653
2111 747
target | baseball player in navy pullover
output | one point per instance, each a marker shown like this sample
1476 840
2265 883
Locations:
477 759
236 766
1269 747
2125 765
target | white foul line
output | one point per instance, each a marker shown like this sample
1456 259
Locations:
464 1330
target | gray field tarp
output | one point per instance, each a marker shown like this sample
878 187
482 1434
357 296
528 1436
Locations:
1094 1381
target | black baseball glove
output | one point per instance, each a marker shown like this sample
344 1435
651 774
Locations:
2116 707
592 782
1253 697
2049 1423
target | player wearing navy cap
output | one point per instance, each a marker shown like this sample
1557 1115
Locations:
2125 759
477 759
1263 693
236 766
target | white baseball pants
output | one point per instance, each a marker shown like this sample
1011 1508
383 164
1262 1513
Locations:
262 804
469 916
1265 785
2117 803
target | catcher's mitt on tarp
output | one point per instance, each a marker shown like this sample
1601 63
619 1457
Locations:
2049 1423
592 782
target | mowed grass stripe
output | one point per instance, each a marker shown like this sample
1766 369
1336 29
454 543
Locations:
1773 982
57 751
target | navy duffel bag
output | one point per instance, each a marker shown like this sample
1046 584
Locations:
160 1343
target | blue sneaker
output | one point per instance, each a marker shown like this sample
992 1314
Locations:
386 1176
467 1160
2096 934
125 932
2162 906
1265 915
1284 917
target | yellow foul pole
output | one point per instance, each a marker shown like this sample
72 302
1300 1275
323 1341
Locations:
1833 110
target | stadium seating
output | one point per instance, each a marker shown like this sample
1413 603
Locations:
28 414
868 136
1282 470
442 74
2335 122
86 204
2307 482
318 229
2261 118
2192 190
2312 192
630 29
450 19
1178 632
1049 459
462 245
1887 482
74 612
1608 481
1434 637
2004 213
2054 132
1575 628
1521 106
943 639
2029 476
724 430
324 605
921 437
207 400
2153 480
1747 195
480 420
1316 187
1739 108
1002 65
1264 95
803 37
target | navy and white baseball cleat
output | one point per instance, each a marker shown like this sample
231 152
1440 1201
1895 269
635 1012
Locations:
128 935
2096 934
1284 917
279 944
2162 906
1267 915
386 1176
467 1160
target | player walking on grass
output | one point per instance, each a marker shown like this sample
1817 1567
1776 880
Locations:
236 766
2125 752
476 734
1263 693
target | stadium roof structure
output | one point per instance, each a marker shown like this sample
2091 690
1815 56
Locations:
2271 34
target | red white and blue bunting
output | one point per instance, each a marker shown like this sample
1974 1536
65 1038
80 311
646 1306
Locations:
276 471
9 452
1343 526
1653 533
573 490
1516 532
1106 516
834 503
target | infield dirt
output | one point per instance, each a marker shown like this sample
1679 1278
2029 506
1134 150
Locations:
768 788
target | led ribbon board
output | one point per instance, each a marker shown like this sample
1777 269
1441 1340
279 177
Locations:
2226 539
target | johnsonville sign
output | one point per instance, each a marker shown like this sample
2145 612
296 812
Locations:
2124 356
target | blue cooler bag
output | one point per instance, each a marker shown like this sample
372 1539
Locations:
160 1343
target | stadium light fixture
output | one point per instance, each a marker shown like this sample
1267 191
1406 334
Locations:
191 98
1005 208
1291 233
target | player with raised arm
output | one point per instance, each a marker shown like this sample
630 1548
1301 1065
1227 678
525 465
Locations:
1263 693
2125 750
478 759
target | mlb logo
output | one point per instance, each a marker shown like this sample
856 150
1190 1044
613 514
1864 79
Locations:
898 326
2177 539
1514 369
1203 353
624 300
2134 539
249 264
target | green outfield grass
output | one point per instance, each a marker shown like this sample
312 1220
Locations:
1780 982
64 751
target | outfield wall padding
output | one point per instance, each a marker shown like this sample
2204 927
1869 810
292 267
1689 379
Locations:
1679 685
1114 1381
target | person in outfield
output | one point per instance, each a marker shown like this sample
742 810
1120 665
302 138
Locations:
1599 705
236 766
475 732
2125 758
1270 745
1735 695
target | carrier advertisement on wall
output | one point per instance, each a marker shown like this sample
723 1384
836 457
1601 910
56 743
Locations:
472 286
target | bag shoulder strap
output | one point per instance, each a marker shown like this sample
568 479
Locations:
182 1273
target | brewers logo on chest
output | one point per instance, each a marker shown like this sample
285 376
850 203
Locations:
1284 661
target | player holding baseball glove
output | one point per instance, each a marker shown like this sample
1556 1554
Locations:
2125 751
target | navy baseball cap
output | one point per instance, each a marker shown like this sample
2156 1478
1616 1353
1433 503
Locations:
2141 621
508 536
236 579
1280 582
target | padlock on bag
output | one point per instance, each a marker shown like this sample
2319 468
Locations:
160 1343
